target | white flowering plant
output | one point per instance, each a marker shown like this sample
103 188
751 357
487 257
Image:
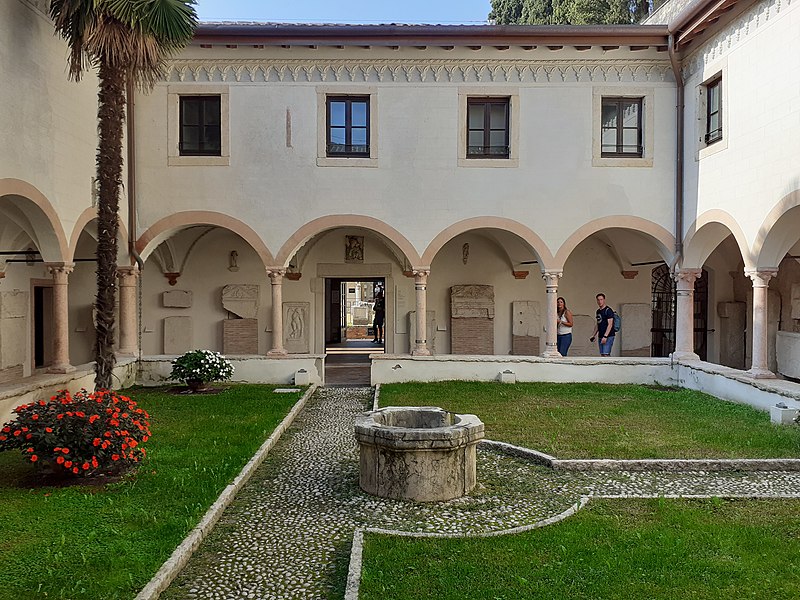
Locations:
203 366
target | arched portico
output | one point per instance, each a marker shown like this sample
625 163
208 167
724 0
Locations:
27 208
707 232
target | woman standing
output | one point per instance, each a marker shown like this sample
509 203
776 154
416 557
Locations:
564 336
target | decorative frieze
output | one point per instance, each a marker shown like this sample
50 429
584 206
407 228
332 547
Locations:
419 71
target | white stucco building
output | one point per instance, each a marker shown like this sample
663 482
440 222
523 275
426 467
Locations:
474 173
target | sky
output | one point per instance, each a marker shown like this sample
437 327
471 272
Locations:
346 11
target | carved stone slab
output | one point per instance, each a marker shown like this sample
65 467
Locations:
241 300
732 324
296 326
177 299
796 300
13 328
635 337
240 336
470 301
178 337
527 318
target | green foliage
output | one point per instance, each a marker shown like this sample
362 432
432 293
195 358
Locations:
84 434
203 366
568 12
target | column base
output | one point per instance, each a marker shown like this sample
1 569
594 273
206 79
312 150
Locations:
277 352
684 356
420 352
760 374
128 353
60 369
551 353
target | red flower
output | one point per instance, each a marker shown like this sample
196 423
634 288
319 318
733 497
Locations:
34 458
75 470
68 463
85 466
60 460
35 417
115 457
48 429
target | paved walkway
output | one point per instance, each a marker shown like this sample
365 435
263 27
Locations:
290 527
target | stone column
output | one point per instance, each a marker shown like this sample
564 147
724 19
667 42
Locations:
421 288
60 273
276 279
551 343
128 339
684 314
760 366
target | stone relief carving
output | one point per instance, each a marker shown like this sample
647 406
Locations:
354 249
469 301
296 338
241 299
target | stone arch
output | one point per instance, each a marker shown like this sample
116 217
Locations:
34 213
707 232
664 241
86 217
323 224
779 231
168 226
537 246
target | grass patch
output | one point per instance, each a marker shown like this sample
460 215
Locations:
654 549
590 420
107 542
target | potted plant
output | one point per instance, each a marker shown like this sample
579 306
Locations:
198 368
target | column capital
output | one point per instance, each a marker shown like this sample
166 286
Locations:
60 271
421 271
551 277
276 274
127 275
685 278
761 277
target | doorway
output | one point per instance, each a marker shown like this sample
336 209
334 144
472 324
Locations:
42 325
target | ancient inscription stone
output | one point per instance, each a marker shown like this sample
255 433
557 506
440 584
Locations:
178 335
635 338
240 336
526 328
241 300
177 299
472 319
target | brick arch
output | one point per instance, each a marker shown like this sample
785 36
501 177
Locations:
707 232
168 226
663 239
779 231
323 224
86 217
535 243
51 239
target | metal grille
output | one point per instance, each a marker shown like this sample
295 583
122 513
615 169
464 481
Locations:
663 305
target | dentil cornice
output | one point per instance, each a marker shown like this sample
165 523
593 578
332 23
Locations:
419 71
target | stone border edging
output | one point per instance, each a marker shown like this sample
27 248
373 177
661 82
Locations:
649 464
356 553
181 555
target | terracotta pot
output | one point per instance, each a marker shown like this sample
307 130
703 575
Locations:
196 385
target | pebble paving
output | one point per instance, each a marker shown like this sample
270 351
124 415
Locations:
291 525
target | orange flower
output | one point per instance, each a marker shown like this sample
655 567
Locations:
115 457
34 458
68 463
60 460
85 466
65 450
48 429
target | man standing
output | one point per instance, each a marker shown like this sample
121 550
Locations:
380 315
604 326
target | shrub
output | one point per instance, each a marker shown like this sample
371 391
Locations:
83 433
203 366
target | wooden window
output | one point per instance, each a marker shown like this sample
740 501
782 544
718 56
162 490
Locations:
488 127
200 126
621 128
348 126
714 111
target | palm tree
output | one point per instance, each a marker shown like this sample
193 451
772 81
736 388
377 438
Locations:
125 41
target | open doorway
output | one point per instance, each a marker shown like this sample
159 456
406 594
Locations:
42 324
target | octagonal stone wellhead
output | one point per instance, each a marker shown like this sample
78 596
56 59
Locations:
422 453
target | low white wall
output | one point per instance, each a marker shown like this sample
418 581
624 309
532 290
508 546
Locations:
403 368
41 387
155 370
788 353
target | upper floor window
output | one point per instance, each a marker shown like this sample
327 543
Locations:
200 131
348 126
713 111
621 127
488 127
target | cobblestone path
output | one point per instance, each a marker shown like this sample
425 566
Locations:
291 525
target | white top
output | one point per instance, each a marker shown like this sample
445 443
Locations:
563 329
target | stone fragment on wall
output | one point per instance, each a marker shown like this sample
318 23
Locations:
177 299
634 337
296 327
472 319
178 335
582 327
526 328
14 306
239 336
430 324
788 354
732 324
795 300
241 300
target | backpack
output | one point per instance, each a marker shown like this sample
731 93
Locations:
617 322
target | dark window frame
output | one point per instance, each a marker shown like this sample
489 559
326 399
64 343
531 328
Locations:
204 146
713 135
348 152
620 129
486 148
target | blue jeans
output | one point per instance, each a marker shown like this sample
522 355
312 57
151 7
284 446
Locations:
563 342
606 348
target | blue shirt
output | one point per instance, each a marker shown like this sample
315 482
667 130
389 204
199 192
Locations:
603 315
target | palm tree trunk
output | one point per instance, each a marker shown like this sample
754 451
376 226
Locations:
111 116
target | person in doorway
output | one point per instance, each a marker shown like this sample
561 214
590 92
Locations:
564 323
604 327
380 316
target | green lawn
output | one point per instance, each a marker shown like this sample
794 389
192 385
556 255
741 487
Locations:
632 549
607 421
107 542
